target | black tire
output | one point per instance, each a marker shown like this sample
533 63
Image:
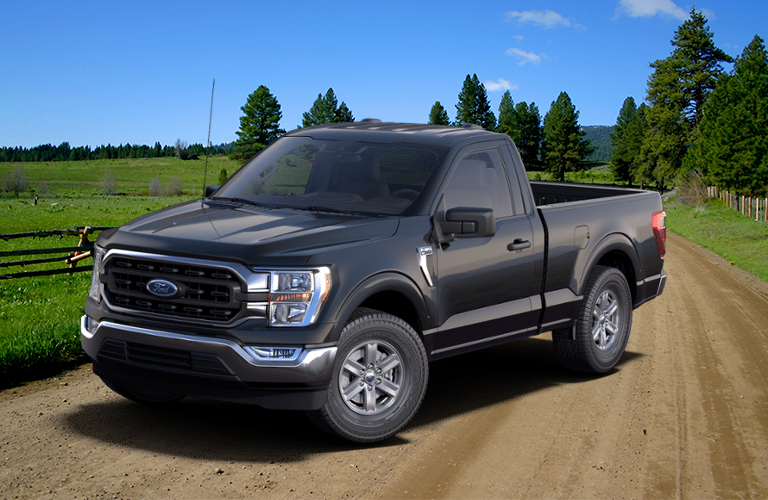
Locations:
142 395
379 379
602 326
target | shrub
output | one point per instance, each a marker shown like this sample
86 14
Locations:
155 187
16 181
108 183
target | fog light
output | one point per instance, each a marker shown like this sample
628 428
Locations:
274 353
88 327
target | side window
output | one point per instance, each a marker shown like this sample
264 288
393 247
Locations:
480 182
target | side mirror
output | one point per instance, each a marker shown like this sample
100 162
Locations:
209 190
469 222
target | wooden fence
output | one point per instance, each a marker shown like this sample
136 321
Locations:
73 256
754 208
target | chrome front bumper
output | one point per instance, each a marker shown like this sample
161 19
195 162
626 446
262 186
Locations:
208 367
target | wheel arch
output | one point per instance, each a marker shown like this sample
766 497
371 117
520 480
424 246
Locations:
615 250
388 292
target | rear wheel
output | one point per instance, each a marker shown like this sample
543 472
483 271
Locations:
379 379
602 326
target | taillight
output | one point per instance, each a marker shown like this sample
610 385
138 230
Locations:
660 232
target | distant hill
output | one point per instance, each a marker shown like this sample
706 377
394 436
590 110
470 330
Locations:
601 140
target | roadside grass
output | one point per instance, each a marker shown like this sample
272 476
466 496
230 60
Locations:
39 316
740 240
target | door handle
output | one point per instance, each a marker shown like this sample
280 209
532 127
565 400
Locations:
518 245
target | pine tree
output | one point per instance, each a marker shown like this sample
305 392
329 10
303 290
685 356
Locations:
529 142
473 106
508 118
326 109
677 91
564 148
259 125
627 139
732 148
438 115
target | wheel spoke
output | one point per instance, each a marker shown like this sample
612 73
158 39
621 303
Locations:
612 308
370 400
388 363
612 327
353 367
353 389
388 387
371 350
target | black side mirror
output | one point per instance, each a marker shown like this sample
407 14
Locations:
469 222
209 190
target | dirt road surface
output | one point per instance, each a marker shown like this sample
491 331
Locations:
684 415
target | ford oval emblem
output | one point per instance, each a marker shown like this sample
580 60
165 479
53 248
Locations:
162 288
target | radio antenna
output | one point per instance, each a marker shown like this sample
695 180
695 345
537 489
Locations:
208 143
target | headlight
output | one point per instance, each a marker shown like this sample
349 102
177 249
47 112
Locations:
296 297
98 254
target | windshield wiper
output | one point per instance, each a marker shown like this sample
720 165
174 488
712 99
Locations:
239 200
326 209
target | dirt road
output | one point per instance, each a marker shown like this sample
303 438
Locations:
684 415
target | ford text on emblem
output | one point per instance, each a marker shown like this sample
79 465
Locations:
162 288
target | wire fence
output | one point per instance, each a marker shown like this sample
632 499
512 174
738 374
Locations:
754 208
73 255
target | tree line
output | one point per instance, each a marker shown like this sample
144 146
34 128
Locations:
701 123
557 145
64 152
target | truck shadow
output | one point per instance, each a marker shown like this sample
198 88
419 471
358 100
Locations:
211 430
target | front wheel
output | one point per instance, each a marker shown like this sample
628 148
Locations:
379 379
602 326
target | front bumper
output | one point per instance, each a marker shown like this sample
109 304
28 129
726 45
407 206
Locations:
209 367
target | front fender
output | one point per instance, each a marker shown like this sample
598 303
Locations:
376 284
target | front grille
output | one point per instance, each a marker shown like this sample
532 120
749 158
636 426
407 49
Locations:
207 293
161 357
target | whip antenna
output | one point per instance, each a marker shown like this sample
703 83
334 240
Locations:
208 143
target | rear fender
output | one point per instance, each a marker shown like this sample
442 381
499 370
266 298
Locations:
614 242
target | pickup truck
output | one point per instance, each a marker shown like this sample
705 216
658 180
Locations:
333 267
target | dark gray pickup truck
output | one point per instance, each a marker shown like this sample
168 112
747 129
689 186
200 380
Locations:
331 269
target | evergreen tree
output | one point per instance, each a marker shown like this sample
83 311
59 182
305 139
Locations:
530 134
473 106
508 118
259 125
438 115
326 109
732 147
677 91
563 148
627 139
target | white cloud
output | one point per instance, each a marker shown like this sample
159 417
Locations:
525 57
499 85
650 8
546 18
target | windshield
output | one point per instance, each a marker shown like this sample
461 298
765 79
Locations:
336 176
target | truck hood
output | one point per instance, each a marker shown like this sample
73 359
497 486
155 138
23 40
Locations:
225 231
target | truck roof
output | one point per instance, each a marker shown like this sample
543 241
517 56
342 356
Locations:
372 130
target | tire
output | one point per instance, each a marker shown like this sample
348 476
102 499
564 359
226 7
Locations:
142 395
602 326
379 379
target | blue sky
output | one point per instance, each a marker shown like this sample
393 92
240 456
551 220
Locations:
99 72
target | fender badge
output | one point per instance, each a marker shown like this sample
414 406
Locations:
423 253
162 288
